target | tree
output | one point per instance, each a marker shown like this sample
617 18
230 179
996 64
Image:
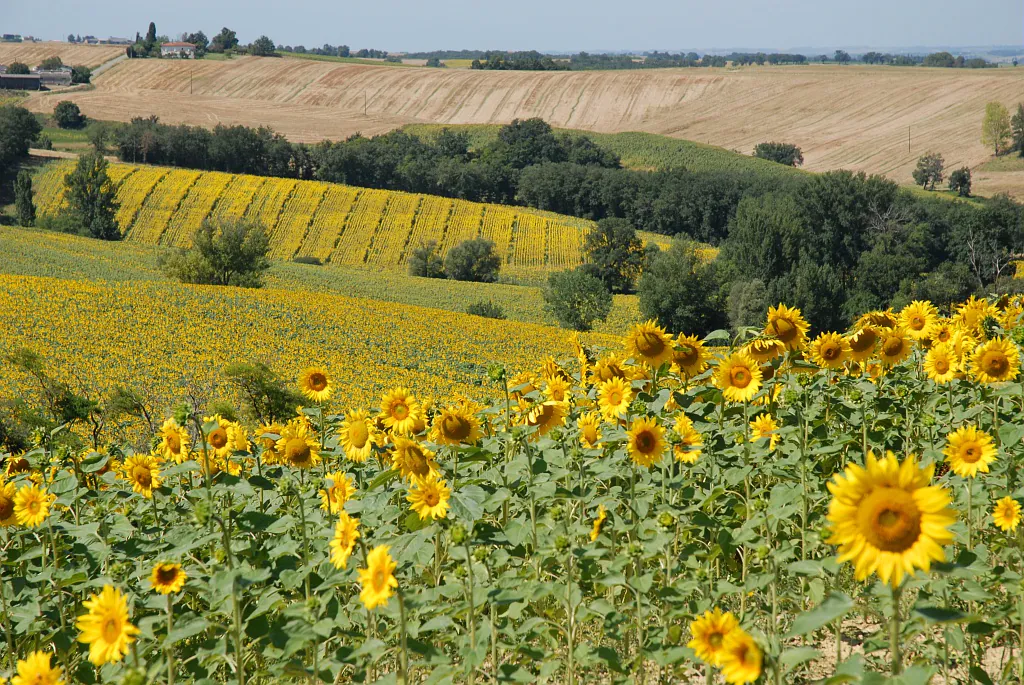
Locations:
265 395
67 115
426 262
577 299
960 181
782 153
614 254
232 252
1017 130
99 134
80 74
262 47
225 40
486 309
473 260
842 56
988 240
17 69
51 63
23 206
682 292
90 194
198 39
18 128
995 127
71 38
748 301
929 170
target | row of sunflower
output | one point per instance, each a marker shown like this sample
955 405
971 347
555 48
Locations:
677 509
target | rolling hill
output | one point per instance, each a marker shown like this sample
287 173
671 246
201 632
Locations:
855 117
72 54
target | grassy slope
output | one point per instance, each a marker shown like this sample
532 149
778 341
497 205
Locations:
41 253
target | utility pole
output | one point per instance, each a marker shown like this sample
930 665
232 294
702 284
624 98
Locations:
908 138
364 103
190 70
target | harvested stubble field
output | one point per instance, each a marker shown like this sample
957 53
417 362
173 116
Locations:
853 117
34 53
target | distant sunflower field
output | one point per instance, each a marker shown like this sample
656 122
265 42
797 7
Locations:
765 506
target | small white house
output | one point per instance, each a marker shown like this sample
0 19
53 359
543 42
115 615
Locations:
179 50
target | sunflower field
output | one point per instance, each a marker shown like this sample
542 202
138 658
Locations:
767 506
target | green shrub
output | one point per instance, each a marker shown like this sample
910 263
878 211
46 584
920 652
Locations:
486 309
577 299
473 260
225 253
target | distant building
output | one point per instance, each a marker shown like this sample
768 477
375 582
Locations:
20 82
179 50
113 40
3 68
10 38
54 78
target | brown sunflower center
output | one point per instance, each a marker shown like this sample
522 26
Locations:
645 442
686 355
18 465
715 639
590 433
784 330
431 498
317 381
142 476
417 461
218 438
166 574
892 347
296 450
399 411
456 427
889 519
173 442
941 365
943 336
971 453
863 341
995 363
830 351
6 508
650 344
916 322
615 398
739 376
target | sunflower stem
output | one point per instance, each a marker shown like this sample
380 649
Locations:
472 618
970 516
170 646
894 632
404 675
7 621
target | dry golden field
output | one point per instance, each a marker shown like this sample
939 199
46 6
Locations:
855 117
34 53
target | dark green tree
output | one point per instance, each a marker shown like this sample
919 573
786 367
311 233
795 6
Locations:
682 292
486 309
929 170
426 262
222 253
23 206
18 69
80 74
225 40
473 260
748 301
262 47
51 63
18 128
577 299
266 397
526 142
614 254
780 153
90 195
1017 130
67 115
960 181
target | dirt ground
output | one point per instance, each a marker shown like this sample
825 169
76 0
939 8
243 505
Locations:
855 117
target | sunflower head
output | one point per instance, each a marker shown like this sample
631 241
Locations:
646 441
887 518
35 669
688 449
969 451
297 446
32 505
458 424
919 319
167 578
413 459
648 344
338 489
315 384
763 350
602 516
764 426
689 358
788 325
546 416
995 361
429 496
589 425
830 350
941 363
741 658
1006 514
614 396
882 318
106 627
174 442
894 346
709 632
143 472
400 410
378 578
355 435
738 377
346 532
7 493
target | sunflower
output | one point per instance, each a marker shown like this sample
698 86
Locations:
941 363
167 578
894 346
602 516
7 493
830 350
590 430
741 658
378 578
143 472
1006 515
646 441
270 454
173 442
355 435
689 358
995 361
412 459
16 465
35 669
888 519
218 439
238 437
648 343
32 505
546 416
429 497
687 450
763 350
458 425
583 356
106 628
613 397
738 377
919 319
346 532
878 319
971 313
297 446
788 325
608 368
341 490
557 389
969 451
550 369
315 384
963 345
400 410
709 632
943 332
764 426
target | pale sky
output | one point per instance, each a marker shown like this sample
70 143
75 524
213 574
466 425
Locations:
546 25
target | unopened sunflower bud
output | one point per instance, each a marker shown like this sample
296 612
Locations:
496 372
459 534
460 572
763 552
561 543
181 413
790 397
201 513
481 553
134 676
675 634
666 520
635 549
556 513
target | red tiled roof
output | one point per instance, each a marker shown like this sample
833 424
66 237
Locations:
178 45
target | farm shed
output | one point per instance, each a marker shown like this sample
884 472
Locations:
19 82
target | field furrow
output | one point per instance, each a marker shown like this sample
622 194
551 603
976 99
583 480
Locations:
497 227
237 197
430 225
463 224
49 188
194 208
266 205
156 211
328 220
362 224
530 241
395 228
133 192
